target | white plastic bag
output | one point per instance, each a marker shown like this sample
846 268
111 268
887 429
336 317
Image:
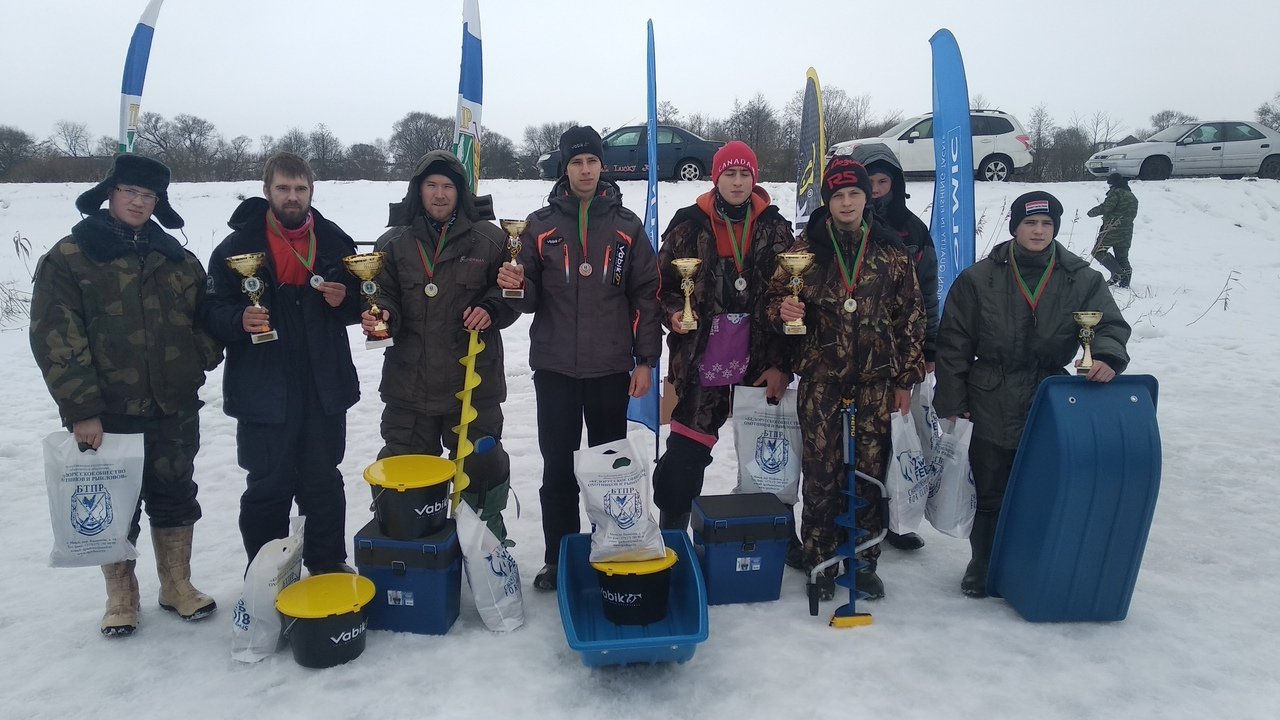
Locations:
615 486
925 417
92 498
256 624
491 572
769 444
907 477
953 499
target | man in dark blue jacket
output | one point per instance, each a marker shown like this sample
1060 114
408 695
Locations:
290 395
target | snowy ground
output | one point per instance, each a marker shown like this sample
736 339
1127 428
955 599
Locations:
1199 640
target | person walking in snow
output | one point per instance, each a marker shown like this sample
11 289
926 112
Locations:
1118 211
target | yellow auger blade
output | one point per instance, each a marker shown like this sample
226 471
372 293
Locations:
470 380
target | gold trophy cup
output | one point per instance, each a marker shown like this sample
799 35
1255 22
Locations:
1086 321
366 267
687 267
246 266
513 228
795 263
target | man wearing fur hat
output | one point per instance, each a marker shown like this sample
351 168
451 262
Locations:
864 347
591 282
1006 326
113 330
439 282
1118 212
289 396
737 234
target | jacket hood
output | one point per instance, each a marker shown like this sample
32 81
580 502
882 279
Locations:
895 206
251 214
475 208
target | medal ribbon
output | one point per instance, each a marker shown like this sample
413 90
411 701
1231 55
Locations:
311 241
739 246
429 265
1033 297
850 283
583 207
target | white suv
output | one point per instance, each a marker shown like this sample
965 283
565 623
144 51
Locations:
1000 145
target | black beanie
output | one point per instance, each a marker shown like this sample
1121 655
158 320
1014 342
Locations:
580 139
1034 203
134 170
445 168
841 173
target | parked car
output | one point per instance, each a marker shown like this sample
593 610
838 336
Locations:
681 155
1230 149
1000 145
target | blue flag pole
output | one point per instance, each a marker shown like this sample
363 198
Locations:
466 127
952 225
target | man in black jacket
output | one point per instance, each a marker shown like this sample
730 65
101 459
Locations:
291 395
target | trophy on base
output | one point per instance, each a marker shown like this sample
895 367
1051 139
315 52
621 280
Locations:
246 266
795 263
1086 321
687 267
513 228
366 267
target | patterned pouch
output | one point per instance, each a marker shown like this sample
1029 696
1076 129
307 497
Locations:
724 362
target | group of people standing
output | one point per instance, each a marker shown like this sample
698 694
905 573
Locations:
126 323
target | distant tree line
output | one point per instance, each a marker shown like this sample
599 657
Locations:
196 152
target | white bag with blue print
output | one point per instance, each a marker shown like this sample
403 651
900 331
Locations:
614 478
907 477
769 443
92 498
256 629
953 499
491 572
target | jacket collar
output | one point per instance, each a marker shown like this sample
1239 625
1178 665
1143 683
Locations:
98 240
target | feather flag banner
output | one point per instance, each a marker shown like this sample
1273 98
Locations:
135 74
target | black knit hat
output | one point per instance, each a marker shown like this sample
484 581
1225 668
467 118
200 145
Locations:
841 173
1035 203
441 167
142 172
580 139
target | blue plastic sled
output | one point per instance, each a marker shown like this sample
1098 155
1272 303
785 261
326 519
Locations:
601 642
1080 500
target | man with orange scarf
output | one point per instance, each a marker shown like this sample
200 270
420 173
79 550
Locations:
737 234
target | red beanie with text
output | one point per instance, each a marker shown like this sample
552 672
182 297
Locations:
735 153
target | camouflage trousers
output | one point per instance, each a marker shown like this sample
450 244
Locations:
703 409
825 477
170 445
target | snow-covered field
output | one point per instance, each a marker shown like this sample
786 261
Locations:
1199 641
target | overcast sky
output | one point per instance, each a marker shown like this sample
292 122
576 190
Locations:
258 67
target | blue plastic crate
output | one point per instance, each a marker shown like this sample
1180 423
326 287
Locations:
672 639
741 543
418 581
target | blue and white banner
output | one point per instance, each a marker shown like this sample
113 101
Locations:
952 225
135 74
645 410
466 127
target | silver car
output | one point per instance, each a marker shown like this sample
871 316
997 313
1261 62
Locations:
1229 149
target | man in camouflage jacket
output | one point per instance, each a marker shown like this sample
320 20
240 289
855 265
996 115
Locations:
1118 211
114 332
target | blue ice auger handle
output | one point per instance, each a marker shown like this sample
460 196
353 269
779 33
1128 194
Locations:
847 520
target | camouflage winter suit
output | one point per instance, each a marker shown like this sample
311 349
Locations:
863 357
1115 236
113 330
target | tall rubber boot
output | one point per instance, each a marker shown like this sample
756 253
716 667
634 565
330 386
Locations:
677 480
173 563
981 538
123 603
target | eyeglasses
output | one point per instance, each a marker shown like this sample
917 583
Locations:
146 197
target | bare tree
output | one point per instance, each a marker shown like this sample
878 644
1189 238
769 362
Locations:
325 152
538 140
668 113
980 102
71 139
16 148
367 161
294 141
499 159
1041 128
1165 118
415 135
1102 128
235 159
1268 113
756 123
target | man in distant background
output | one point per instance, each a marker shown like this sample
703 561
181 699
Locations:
1118 211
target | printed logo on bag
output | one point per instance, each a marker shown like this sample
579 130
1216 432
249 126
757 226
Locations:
502 565
915 468
348 635
620 598
91 511
241 617
624 506
432 508
773 451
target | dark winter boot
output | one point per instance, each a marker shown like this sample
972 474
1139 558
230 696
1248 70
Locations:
677 480
826 587
173 563
123 603
905 541
981 537
673 521
1124 279
546 578
868 583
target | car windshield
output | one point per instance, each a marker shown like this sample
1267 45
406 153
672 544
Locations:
1171 133
900 127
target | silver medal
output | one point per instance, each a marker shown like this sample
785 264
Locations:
431 290
316 281
585 269
850 305
740 284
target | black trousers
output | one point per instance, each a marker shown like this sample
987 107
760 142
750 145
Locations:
170 444
563 404
991 465
295 460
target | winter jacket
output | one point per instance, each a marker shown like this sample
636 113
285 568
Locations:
116 333
1118 211
597 325
993 352
893 212
690 235
313 349
883 341
421 370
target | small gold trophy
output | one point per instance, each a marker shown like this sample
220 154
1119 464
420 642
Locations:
795 263
513 228
1086 321
366 267
246 266
687 267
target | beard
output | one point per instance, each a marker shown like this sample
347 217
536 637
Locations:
291 215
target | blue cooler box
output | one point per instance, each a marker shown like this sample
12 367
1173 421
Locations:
741 543
417 581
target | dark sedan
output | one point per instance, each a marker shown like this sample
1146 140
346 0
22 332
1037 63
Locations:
681 155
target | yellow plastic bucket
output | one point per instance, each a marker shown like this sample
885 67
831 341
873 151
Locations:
635 593
327 625
411 494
